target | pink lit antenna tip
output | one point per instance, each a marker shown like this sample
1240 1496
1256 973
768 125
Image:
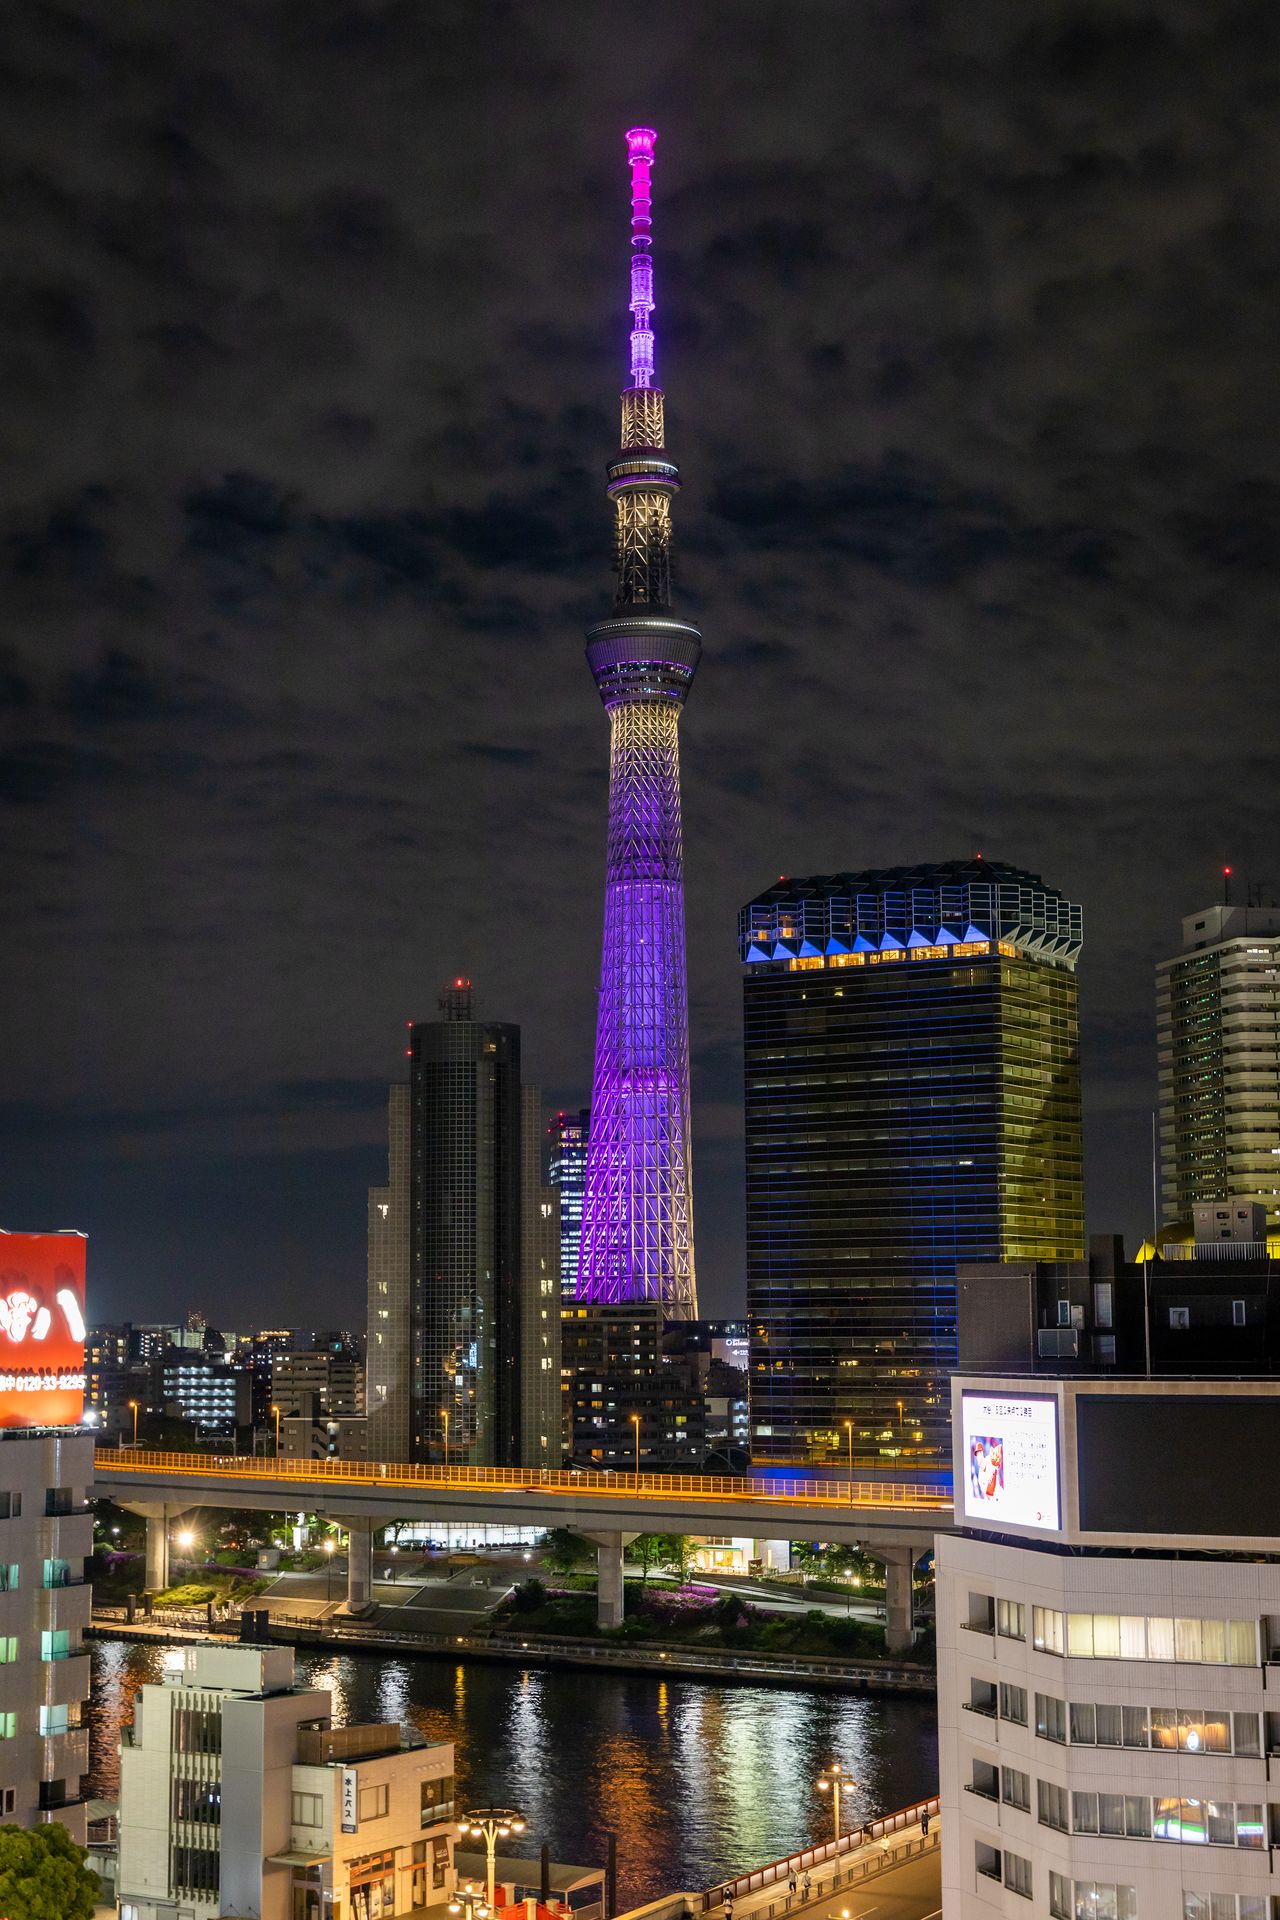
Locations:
640 142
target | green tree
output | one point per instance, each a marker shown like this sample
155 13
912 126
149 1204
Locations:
647 1548
674 1551
562 1550
43 1875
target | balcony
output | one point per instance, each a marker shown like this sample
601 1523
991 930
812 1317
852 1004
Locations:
65 1756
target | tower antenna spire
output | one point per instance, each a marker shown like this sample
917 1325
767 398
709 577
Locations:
637 1209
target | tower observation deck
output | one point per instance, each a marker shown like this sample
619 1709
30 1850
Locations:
637 1219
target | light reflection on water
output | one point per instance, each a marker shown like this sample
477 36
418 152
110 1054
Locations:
698 1782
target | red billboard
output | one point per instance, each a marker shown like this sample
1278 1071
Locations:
41 1329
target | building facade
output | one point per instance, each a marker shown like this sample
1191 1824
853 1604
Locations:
637 1219
567 1137
46 1544
463 1256
238 1797
912 1101
1108 1618
1218 1032
628 1403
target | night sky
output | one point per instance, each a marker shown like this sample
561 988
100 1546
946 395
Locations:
313 325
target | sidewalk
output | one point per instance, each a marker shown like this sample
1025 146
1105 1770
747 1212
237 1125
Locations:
904 1865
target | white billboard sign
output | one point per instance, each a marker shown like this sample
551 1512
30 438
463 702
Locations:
350 1800
1010 1460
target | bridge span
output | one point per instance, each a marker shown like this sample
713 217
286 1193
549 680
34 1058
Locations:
893 1521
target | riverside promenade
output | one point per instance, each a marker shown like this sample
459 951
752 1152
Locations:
890 1867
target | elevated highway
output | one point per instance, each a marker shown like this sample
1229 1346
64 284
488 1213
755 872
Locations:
894 1521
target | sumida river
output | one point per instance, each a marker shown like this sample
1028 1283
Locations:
698 1781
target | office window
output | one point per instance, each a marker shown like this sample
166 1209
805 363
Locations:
9 1576
8 1648
1017 1874
1097 1900
1135 1727
57 1500
10 1506
8 1799
1084 1724
308 1809
1048 1630
55 1645
1059 1897
374 1802
54 1719
1244 1733
1051 1717
1052 1804
8 1725
57 1573
1015 1788
1011 1620
1013 1703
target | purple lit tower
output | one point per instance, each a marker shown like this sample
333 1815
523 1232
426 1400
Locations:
637 1215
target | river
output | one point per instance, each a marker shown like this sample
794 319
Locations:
698 1781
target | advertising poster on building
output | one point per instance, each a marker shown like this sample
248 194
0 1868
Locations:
350 1800
1011 1460
41 1329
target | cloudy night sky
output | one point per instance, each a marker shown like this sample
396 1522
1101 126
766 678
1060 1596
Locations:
313 325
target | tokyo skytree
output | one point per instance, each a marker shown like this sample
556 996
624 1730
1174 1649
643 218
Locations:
637 1215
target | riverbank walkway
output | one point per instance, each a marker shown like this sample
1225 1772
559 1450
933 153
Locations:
890 1868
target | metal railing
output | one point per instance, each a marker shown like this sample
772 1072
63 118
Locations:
1216 1250
927 1496
877 1834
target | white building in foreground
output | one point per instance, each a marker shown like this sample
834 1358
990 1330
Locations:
46 1539
1108 1633
238 1798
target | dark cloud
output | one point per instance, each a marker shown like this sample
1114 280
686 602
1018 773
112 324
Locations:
313 322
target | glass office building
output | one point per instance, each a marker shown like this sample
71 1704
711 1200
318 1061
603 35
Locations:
912 1101
567 1135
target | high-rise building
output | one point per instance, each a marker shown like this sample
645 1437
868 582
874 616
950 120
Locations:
637 1221
1218 1027
463 1255
912 1101
567 1135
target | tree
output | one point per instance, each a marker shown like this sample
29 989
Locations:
43 1875
647 1548
562 1550
674 1551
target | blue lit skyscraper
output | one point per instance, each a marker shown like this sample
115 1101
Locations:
912 1101
567 1173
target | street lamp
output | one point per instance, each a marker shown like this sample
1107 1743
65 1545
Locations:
328 1576
186 1540
635 1421
444 1415
835 1781
134 1405
394 1551
276 1412
848 1427
491 1824
470 1902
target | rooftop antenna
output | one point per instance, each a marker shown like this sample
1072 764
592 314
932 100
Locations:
1226 886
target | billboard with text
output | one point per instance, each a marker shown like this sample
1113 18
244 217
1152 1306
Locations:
41 1329
1010 1459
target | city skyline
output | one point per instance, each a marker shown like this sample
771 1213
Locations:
280 683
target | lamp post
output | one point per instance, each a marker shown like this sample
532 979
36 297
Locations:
134 1405
328 1575
186 1540
491 1824
276 1412
469 1901
835 1781
635 1421
848 1427
444 1415
394 1551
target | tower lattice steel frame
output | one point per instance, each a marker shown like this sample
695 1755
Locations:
637 1217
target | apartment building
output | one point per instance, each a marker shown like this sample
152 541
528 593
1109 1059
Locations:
237 1797
46 1540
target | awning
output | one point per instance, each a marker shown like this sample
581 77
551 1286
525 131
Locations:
296 1858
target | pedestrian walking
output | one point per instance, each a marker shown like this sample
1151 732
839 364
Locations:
924 1823
792 1885
807 1889
728 1906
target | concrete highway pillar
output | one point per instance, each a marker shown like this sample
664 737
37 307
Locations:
610 1554
359 1566
899 1603
157 1551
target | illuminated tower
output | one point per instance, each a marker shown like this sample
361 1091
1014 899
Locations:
637 1218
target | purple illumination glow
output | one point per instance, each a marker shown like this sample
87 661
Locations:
640 143
637 1216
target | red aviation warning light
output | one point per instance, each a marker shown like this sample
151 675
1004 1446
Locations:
41 1329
